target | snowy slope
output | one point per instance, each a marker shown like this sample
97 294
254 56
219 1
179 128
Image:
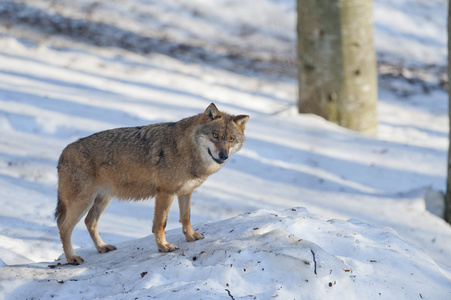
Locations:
261 255
54 90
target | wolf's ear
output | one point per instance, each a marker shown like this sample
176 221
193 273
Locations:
211 113
241 121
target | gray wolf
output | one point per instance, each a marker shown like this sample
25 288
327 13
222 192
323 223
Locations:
161 160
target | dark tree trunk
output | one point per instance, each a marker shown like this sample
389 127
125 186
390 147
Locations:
448 180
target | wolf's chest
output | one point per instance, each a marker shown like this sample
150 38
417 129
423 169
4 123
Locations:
190 185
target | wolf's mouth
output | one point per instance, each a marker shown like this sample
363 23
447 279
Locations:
218 161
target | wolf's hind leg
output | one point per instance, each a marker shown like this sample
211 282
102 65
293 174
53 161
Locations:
72 213
92 222
185 219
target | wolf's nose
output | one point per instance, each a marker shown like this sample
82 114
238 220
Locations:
223 156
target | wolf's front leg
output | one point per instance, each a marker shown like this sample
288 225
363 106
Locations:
185 215
162 205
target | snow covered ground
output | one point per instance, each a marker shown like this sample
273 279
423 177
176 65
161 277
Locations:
257 255
306 210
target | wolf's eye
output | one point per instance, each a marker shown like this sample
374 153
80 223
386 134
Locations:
215 135
231 139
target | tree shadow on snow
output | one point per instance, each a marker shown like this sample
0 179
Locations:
301 168
106 35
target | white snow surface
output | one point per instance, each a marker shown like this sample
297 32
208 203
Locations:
306 210
254 255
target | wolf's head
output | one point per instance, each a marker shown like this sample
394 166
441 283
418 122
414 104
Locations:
220 134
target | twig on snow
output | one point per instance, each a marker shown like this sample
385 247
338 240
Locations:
230 295
314 260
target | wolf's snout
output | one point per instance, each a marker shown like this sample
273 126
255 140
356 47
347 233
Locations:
223 156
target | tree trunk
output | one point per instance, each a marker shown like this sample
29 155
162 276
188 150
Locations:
448 180
337 62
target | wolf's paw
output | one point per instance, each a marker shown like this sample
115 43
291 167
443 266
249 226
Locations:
106 248
74 260
194 237
168 247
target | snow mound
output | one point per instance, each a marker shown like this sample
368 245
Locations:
290 255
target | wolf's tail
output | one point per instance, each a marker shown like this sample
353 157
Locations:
60 211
